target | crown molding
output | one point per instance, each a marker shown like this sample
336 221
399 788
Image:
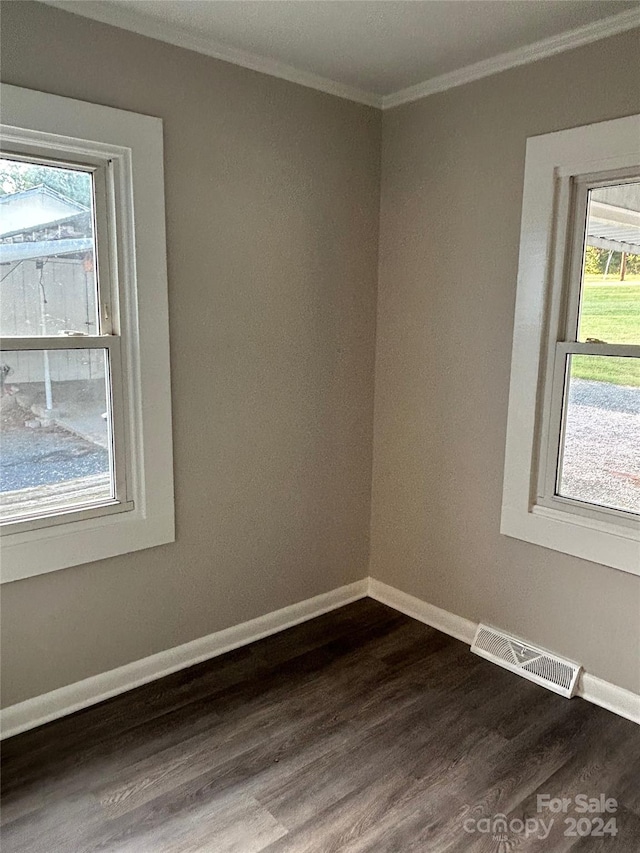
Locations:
520 56
126 19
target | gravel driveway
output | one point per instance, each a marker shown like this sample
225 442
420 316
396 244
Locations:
602 447
35 457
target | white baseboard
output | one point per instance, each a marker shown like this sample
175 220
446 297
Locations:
623 702
448 623
620 701
65 700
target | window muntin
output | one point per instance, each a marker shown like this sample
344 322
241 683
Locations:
61 414
591 463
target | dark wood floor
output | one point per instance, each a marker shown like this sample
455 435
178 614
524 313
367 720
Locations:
362 730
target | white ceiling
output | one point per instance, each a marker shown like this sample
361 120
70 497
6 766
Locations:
370 51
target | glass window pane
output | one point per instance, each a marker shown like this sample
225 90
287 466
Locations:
600 462
610 293
47 250
55 435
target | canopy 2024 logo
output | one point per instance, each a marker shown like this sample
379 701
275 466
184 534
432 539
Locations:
593 819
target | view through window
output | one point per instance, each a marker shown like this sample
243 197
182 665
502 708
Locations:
55 395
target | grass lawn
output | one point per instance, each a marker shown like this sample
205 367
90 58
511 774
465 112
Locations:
610 312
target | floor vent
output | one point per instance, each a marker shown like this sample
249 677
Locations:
546 669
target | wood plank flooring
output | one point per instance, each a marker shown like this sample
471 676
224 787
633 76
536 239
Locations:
361 731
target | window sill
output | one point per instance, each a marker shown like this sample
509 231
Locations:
50 549
611 545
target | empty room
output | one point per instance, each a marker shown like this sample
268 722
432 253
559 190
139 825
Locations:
320 426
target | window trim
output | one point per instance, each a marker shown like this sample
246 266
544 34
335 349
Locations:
540 329
132 144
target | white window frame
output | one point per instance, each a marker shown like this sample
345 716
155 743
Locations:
559 169
126 149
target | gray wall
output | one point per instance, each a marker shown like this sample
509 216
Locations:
451 200
272 219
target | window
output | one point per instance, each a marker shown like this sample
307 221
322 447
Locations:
61 411
572 468
84 362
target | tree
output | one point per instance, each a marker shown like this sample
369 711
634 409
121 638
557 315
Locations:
596 262
16 176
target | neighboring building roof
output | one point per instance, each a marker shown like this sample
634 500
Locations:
614 228
30 250
614 217
36 208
